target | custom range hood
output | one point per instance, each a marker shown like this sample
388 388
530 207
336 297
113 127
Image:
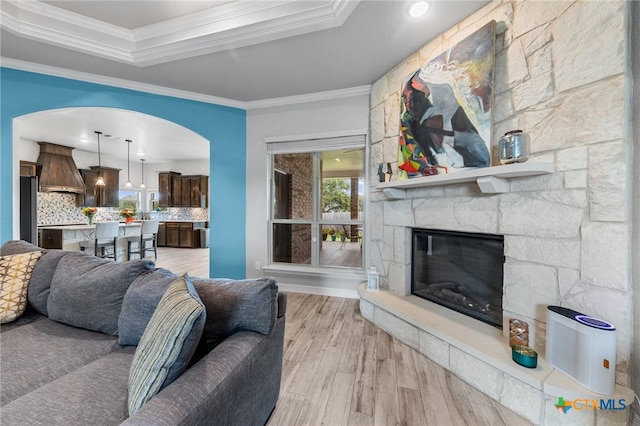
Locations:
57 172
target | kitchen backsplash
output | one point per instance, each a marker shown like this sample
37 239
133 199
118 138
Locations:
60 209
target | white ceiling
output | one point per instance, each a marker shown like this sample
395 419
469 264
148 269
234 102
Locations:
152 138
246 51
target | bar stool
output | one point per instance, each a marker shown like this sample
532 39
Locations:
106 235
148 233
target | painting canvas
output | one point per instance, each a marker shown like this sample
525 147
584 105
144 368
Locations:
445 111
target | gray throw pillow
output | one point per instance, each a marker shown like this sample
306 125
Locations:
168 343
87 291
236 305
140 301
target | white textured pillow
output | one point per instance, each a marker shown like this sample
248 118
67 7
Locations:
167 344
15 273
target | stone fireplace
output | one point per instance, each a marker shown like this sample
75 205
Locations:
566 233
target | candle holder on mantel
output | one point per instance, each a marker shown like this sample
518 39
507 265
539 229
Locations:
385 172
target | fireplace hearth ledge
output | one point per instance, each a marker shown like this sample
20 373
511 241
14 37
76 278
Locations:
480 355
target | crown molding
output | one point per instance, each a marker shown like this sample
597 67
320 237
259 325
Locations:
228 26
183 94
310 97
117 82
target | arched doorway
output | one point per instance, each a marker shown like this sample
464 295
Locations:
153 139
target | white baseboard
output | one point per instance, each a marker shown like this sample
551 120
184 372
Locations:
335 292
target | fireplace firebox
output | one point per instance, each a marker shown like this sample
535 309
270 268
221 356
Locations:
461 271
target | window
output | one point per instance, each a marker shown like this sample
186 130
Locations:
129 198
316 216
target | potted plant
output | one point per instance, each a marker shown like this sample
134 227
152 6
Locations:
325 234
342 234
332 232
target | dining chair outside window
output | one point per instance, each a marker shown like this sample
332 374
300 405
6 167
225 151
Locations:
106 236
148 234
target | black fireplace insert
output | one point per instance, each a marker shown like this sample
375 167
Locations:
461 271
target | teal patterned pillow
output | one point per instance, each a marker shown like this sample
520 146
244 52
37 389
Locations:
167 344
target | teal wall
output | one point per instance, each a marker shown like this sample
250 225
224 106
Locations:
25 92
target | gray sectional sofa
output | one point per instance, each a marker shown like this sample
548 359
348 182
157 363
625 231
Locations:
67 359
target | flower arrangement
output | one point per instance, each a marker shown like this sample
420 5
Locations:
128 215
89 212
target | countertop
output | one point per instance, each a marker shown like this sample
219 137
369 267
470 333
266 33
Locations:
183 220
81 226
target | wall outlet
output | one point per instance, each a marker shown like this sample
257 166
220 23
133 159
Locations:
258 266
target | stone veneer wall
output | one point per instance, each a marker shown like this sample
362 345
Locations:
560 76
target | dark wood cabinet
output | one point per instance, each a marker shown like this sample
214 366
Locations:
173 234
27 168
186 235
199 186
162 235
182 234
100 196
178 190
50 238
185 200
88 199
165 187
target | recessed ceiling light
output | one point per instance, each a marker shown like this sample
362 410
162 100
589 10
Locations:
418 9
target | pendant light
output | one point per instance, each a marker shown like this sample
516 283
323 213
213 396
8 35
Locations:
142 163
100 181
128 184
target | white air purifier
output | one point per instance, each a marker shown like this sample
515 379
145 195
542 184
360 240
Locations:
582 347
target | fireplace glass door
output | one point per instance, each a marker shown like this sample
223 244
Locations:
461 271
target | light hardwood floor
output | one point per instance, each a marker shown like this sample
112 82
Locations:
339 369
194 261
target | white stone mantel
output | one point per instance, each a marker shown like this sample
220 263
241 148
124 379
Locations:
491 180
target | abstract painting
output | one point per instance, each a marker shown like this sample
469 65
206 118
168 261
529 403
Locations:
445 111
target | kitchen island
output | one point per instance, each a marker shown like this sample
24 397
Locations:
68 237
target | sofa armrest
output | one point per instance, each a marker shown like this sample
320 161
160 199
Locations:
282 304
237 383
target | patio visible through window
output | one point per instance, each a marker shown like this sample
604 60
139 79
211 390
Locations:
317 209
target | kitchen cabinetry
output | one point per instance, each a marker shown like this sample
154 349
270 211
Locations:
182 234
100 196
186 235
162 235
27 168
177 190
172 238
50 238
165 187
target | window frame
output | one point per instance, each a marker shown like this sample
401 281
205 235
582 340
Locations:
315 147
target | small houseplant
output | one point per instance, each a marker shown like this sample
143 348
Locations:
89 212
